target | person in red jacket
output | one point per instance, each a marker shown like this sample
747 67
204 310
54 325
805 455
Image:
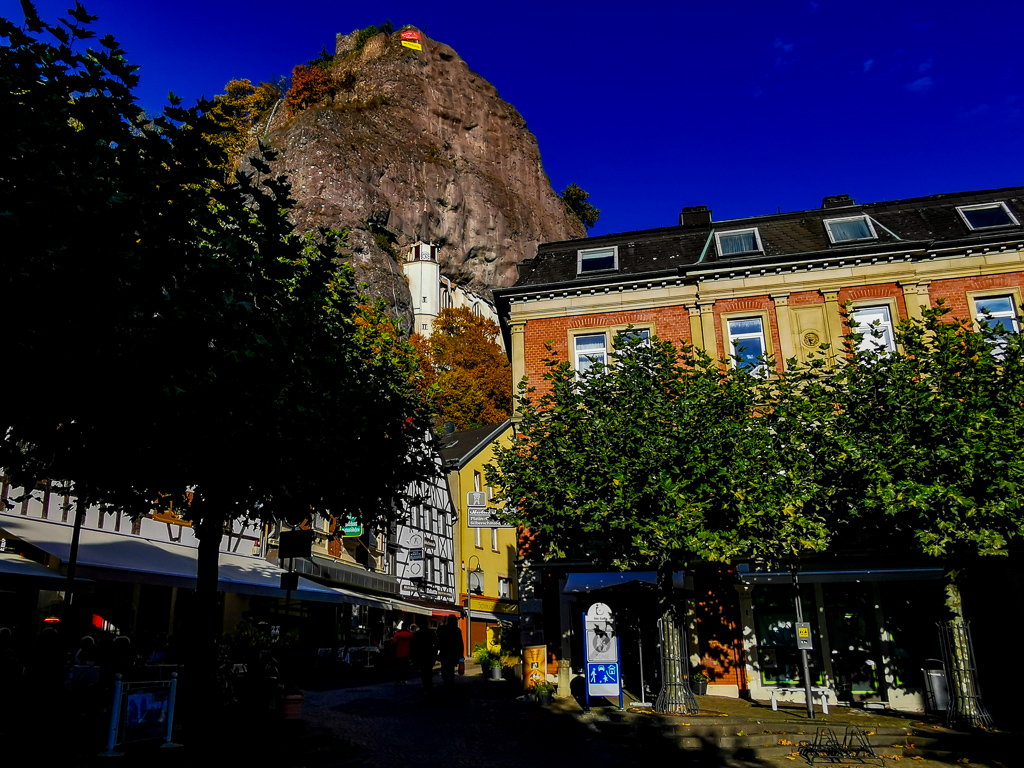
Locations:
402 641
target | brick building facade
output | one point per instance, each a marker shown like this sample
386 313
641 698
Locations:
776 285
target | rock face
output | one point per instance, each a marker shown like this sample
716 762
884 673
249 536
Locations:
416 146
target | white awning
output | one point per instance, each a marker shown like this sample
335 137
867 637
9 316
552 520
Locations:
125 557
12 564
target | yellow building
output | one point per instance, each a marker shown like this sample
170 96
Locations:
486 554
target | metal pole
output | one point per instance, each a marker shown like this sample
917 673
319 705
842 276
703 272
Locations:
803 653
115 713
76 533
170 709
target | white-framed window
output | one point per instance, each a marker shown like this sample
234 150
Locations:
476 539
738 242
494 539
477 479
746 343
589 350
998 312
987 216
642 334
876 326
597 259
504 588
490 491
850 229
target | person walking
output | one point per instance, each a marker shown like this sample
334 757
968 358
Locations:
402 641
450 649
424 654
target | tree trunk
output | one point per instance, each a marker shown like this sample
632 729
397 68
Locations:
206 627
965 704
675 694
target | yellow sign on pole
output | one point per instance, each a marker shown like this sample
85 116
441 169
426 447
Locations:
411 39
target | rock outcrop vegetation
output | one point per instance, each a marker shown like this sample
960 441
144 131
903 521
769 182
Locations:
413 145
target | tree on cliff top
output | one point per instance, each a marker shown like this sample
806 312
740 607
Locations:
193 340
469 377
576 201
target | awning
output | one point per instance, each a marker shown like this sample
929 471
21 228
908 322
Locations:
835 575
125 557
495 617
23 570
588 582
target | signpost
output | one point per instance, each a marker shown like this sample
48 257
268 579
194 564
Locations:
602 642
478 515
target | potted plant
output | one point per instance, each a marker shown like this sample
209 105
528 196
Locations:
700 682
543 691
489 661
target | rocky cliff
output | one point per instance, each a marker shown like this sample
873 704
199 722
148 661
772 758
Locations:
415 145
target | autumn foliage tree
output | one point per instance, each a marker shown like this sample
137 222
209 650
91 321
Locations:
310 85
469 377
235 112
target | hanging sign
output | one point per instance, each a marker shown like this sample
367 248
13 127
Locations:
411 39
602 643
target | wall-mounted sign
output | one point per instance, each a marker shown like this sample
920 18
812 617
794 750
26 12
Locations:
351 528
482 517
411 39
476 499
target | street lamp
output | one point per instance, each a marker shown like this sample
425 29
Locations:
474 586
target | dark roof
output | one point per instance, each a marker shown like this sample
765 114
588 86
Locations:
459 447
909 225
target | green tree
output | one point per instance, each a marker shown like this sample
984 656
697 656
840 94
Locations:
195 343
658 459
575 200
932 445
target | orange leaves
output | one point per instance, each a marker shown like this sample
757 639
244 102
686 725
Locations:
310 85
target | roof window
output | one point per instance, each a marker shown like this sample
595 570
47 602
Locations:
987 216
597 260
850 229
739 241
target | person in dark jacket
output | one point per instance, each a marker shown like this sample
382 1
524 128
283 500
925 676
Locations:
424 654
450 649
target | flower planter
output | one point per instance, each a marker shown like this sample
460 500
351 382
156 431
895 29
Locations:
496 673
291 706
701 688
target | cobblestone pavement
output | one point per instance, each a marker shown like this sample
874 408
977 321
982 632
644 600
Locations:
479 723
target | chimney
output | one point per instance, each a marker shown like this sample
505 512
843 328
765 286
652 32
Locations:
837 201
695 216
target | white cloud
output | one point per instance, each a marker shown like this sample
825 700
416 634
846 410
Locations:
787 47
924 66
920 85
868 65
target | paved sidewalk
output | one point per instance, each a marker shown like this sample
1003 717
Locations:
482 723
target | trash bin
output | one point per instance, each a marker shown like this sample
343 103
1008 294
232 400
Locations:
936 693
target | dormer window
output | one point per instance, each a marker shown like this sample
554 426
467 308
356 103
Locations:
597 260
738 242
987 216
850 229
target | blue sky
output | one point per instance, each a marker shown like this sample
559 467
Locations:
747 108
